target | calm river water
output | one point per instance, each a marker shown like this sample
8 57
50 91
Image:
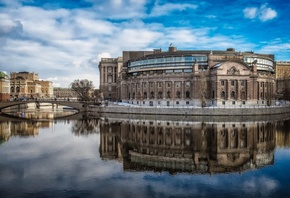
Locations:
145 157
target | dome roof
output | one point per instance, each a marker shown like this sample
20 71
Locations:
3 75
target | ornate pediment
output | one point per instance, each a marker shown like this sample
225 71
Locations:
233 71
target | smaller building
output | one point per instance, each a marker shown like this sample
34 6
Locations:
28 85
283 79
4 87
64 93
282 69
109 73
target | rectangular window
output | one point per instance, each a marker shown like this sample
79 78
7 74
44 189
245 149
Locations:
177 102
222 82
187 102
187 84
178 84
160 84
232 82
168 84
109 79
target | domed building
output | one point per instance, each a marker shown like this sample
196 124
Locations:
199 78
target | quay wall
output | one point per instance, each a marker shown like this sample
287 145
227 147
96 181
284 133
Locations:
193 111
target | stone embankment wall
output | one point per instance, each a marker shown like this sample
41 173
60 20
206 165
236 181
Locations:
193 111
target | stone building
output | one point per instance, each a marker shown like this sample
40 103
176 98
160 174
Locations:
109 72
194 78
283 79
4 87
64 93
282 69
28 85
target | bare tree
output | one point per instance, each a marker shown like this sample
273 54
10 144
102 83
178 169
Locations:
84 89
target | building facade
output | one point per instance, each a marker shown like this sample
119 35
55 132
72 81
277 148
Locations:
195 78
282 69
109 72
28 85
64 93
4 87
283 79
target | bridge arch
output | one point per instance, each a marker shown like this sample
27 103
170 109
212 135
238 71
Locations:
78 105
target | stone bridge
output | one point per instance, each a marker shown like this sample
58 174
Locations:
81 106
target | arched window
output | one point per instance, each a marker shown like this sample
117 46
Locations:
243 95
178 94
152 95
187 94
17 89
168 94
223 95
233 95
12 89
160 94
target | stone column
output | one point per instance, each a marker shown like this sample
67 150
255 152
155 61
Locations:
105 75
182 90
228 90
218 90
163 90
155 90
173 90
238 90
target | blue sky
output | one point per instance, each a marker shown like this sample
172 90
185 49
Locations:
63 40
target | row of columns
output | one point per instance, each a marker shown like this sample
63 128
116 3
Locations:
141 89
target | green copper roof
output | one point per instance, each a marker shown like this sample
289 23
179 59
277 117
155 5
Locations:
3 75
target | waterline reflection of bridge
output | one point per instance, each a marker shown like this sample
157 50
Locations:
81 106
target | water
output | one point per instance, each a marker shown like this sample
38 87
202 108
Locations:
132 157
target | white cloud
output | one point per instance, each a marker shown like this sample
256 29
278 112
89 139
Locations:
64 45
159 10
267 13
103 55
120 9
264 13
250 13
263 185
210 16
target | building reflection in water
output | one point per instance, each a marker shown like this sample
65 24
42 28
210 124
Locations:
80 127
193 147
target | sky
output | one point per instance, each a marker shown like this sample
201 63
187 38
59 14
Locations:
64 40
